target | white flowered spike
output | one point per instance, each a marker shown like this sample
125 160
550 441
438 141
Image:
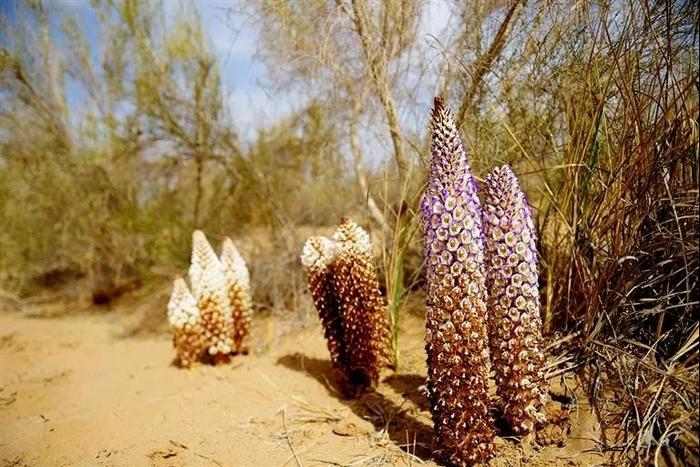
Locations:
209 289
238 288
182 307
318 253
185 324
348 232
235 268
206 273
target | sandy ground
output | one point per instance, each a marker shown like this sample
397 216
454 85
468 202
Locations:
75 391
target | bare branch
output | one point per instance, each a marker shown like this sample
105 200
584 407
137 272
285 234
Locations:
484 62
378 68
360 174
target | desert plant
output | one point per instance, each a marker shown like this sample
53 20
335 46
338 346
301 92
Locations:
214 320
317 258
620 227
349 233
456 333
401 253
238 288
209 289
345 289
515 327
185 324
362 304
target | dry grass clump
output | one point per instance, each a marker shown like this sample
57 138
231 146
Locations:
619 226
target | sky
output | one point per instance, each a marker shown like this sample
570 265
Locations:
233 39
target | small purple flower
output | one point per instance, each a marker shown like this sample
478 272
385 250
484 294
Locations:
456 330
515 328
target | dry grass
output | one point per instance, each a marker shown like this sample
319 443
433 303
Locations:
620 233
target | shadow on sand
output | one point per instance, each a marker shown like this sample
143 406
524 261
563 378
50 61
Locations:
412 387
408 433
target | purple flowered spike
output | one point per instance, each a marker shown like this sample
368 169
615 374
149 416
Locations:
456 330
515 328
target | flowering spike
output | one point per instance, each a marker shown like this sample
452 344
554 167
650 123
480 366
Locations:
185 324
238 287
456 332
318 257
349 232
515 328
203 261
345 289
209 289
362 310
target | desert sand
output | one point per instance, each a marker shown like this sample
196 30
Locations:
78 391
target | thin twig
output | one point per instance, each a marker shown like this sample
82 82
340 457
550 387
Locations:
288 438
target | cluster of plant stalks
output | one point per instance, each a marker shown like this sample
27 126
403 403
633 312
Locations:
210 319
483 306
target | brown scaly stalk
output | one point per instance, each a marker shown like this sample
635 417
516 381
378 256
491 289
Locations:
185 324
362 306
515 327
209 289
318 256
345 289
238 288
456 333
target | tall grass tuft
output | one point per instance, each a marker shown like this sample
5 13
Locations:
399 243
619 225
